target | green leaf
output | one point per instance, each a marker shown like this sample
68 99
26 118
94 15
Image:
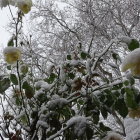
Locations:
89 133
25 85
126 82
123 91
130 99
132 81
137 99
11 42
55 123
133 45
115 56
14 79
51 78
96 115
23 119
117 87
42 98
65 112
29 91
116 93
109 100
18 101
102 97
103 127
84 55
69 57
4 85
121 107
71 75
89 105
34 114
108 91
104 112
106 80
81 102
9 67
72 112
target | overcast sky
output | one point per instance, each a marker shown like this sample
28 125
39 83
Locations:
4 18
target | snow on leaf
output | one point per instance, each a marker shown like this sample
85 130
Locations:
42 123
79 123
57 103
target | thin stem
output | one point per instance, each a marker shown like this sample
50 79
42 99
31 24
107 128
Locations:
19 78
1 137
103 53
10 104
11 13
57 134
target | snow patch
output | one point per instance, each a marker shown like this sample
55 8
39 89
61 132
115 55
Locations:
79 123
57 103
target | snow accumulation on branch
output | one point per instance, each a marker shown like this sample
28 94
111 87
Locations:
78 122
125 39
113 136
57 103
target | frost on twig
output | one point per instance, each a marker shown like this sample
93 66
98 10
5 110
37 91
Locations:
125 39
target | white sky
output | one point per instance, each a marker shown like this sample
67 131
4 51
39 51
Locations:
4 18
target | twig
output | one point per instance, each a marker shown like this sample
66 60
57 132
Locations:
58 133
1 137
103 53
